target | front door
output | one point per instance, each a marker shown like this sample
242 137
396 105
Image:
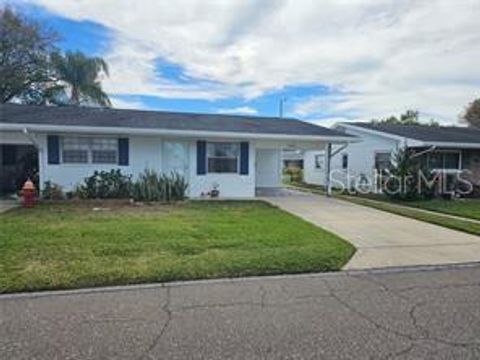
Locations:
175 157
267 168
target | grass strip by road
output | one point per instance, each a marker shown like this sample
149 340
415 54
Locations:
468 208
73 245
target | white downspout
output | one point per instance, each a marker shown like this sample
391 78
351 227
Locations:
328 167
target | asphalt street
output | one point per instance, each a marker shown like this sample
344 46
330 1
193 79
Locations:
413 314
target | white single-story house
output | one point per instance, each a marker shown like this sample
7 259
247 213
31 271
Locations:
240 154
442 148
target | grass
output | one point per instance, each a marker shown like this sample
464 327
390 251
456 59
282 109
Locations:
437 219
469 208
60 246
409 210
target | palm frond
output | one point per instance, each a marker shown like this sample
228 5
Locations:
81 73
95 94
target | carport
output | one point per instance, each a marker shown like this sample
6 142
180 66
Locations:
18 162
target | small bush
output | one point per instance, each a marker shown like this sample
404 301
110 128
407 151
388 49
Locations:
152 186
106 185
52 191
408 179
295 174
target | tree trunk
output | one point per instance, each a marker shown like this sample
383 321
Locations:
75 96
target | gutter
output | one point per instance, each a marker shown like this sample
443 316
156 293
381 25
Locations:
59 129
32 138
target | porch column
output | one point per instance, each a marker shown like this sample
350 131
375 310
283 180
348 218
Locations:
328 158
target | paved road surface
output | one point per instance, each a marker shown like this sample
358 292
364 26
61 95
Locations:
380 315
382 239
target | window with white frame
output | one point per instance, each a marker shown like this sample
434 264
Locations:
84 150
223 157
104 151
383 161
444 160
319 161
344 161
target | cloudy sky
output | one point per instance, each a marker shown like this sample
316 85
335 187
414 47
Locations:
332 60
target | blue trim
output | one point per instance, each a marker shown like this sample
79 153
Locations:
244 158
123 151
201 157
53 149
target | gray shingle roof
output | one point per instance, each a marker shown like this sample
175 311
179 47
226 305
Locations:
453 134
101 117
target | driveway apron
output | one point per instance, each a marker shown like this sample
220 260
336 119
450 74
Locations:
382 239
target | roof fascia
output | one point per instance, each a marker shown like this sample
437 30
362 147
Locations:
169 132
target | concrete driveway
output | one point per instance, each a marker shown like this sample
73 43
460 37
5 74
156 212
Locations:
382 239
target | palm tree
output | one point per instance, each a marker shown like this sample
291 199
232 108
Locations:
79 75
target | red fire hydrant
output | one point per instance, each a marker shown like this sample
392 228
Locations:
29 194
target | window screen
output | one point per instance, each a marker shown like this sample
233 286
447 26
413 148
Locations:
83 150
223 157
382 161
75 150
451 160
444 160
104 151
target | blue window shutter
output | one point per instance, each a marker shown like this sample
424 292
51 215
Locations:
201 157
244 158
123 151
53 149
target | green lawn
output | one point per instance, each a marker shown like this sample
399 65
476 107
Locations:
58 246
437 219
469 208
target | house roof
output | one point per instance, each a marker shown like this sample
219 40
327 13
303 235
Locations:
70 116
427 134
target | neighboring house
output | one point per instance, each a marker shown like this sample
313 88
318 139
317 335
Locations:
443 148
292 158
238 153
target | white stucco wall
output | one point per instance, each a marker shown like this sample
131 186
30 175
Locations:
361 160
146 152
229 185
311 174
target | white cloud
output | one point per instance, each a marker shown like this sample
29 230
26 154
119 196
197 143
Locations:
243 110
379 56
329 121
119 103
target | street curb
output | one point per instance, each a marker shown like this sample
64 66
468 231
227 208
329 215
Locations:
137 287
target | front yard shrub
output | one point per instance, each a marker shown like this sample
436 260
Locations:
295 174
106 185
52 191
408 179
152 186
